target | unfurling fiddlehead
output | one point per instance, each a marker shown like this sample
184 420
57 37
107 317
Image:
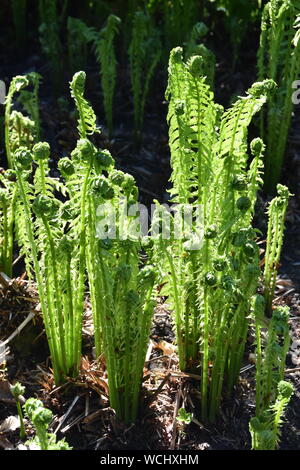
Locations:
276 212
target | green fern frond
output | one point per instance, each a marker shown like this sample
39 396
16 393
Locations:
144 54
16 85
278 59
276 214
265 429
106 57
87 118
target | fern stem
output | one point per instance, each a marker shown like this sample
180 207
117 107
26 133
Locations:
178 320
144 332
57 291
81 270
49 321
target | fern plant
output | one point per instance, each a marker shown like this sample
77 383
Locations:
41 418
29 99
121 289
265 429
55 238
194 46
80 35
20 131
106 57
270 362
278 59
17 84
8 196
276 211
144 54
77 44
212 274
272 393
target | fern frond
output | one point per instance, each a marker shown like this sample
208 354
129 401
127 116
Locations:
144 54
106 57
265 429
276 214
87 118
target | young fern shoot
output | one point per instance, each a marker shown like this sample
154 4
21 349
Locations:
20 132
277 210
16 85
29 99
104 48
265 429
270 353
272 393
41 418
193 48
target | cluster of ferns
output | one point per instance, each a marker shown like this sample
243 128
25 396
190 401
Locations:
211 278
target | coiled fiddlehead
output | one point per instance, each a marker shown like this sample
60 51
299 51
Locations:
106 57
87 117
265 428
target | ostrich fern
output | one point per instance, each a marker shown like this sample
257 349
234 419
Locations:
278 59
29 99
144 54
20 131
212 281
77 44
265 429
103 44
272 393
276 212
106 57
17 84
55 235
121 290
7 209
271 356
193 48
